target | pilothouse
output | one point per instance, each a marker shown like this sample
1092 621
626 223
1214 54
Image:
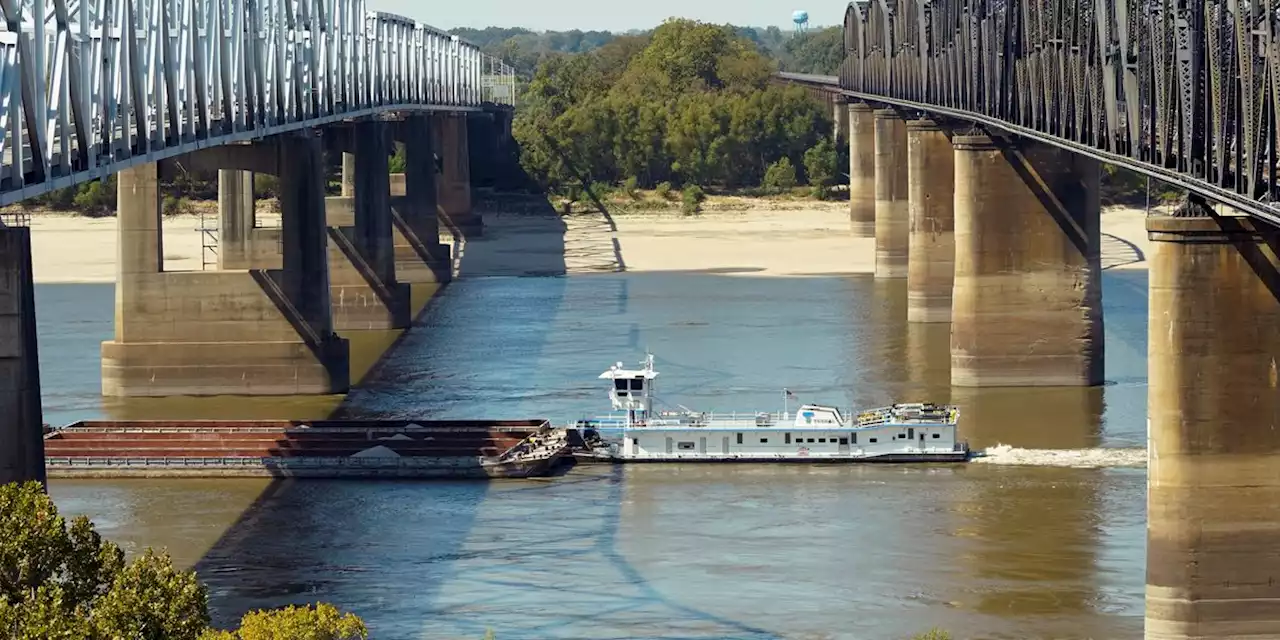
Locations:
634 432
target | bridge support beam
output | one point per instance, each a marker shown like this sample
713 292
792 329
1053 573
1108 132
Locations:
862 170
253 332
453 187
1214 407
364 289
420 257
21 425
1027 299
931 196
892 217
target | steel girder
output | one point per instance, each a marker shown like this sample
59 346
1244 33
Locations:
1183 90
88 87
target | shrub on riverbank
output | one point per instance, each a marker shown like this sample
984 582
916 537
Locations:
62 581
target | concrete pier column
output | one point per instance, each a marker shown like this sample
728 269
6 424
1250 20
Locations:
373 198
348 174
1027 299
931 237
840 114
235 218
892 218
1213 476
139 249
453 185
304 230
21 425
862 170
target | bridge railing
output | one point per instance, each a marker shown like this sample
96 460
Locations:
88 87
1183 91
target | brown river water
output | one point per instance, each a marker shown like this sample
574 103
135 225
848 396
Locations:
1043 539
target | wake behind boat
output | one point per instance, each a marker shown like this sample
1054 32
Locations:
634 432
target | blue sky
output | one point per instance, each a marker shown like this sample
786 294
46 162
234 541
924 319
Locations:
611 15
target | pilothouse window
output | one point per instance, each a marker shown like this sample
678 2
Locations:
637 384
620 384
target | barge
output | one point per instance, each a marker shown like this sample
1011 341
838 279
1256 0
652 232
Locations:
634 432
306 449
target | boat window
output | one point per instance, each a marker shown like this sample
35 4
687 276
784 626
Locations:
911 433
637 384
739 438
788 438
822 439
687 446
853 437
937 435
811 440
844 441
873 441
620 384
764 441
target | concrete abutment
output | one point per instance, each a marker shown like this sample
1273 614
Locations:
1027 297
1214 444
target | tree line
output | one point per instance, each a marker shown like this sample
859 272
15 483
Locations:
688 105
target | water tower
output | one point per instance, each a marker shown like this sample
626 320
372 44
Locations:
801 19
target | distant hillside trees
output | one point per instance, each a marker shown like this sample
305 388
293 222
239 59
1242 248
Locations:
689 104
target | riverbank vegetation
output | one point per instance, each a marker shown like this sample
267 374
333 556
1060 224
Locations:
690 105
62 581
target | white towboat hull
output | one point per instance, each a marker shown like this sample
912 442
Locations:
635 432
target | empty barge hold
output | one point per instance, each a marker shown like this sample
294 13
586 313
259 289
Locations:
310 449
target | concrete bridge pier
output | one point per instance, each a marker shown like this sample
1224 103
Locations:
420 256
840 115
453 187
21 425
1213 476
862 170
931 229
364 288
1027 298
251 332
892 217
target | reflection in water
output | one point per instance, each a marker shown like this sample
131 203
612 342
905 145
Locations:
661 551
1033 540
1031 417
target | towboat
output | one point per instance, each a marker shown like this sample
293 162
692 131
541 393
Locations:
634 432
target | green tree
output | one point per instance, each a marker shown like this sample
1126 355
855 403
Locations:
819 51
691 200
781 175
66 579
62 581
820 166
323 622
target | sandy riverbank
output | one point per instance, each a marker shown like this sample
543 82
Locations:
750 238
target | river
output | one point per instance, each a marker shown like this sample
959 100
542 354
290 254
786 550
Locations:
1035 550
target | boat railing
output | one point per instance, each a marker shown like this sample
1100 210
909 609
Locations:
696 419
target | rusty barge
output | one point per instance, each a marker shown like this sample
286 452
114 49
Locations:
307 449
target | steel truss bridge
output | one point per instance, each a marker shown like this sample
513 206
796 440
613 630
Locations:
1185 91
90 87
